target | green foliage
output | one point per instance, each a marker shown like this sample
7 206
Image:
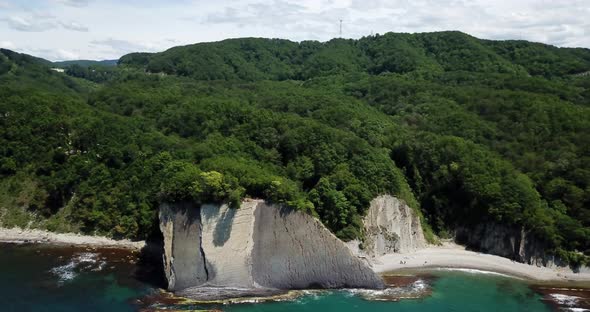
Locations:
466 131
86 63
94 73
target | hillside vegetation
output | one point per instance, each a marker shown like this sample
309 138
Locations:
467 131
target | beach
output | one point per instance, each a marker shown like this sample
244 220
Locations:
454 256
18 235
446 256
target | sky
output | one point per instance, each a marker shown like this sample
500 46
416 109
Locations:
108 29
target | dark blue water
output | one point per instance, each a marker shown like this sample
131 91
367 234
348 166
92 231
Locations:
43 278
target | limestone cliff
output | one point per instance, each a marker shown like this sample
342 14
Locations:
294 251
257 246
184 263
390 226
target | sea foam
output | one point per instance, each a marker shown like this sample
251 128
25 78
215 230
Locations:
79 263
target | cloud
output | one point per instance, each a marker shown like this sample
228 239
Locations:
75 3
51 54
120 46
275 13
282 18
39 22
29 24
7 45
74 26
165 23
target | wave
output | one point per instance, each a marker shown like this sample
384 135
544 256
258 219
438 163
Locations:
477 271
565 299
79 263
417 289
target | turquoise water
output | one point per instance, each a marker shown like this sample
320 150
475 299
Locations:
37 278
452 291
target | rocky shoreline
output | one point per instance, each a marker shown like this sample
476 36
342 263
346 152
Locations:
34 236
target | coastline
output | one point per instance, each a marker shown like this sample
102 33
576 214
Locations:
448 256
453 256
22 236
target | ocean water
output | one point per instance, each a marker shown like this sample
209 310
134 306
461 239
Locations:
43 278
451 291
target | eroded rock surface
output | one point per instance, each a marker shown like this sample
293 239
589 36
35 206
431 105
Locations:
294 251
391 226
258 247
184 263
510 242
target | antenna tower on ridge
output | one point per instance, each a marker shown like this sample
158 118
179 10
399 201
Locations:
340 28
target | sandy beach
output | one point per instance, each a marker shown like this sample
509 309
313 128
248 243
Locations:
454 256
449 255
17 235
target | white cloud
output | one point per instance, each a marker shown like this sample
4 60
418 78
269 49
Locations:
74 26
74 3
108 29
66 55
121 47
20 23
7 45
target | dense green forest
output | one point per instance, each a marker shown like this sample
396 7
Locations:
467 131
86 63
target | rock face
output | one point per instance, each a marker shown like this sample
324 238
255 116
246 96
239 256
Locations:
295 251
184 263
500 240
227 241
391 226
509 242
257 246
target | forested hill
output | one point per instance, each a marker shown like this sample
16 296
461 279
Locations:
467 131
86 63
425 53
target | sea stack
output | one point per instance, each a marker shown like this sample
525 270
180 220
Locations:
258 246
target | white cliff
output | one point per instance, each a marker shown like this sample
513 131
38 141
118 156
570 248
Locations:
258 246
390 226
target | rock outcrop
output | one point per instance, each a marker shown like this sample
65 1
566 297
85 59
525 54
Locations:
510 242
257 246
294 251
391 226
184 262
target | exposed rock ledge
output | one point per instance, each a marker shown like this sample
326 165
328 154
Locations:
258 247
391 226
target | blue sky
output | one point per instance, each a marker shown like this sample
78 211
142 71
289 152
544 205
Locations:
95 29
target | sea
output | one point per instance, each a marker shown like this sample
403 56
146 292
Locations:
51 278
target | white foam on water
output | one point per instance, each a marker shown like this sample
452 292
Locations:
476 271
416 288
566 300
419 285
577 309
79 262
65 272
